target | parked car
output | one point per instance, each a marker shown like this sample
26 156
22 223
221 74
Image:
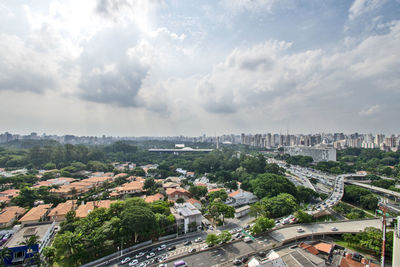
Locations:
187 243
237 262
247 239
300 230
126 260
198 240
162 247
192 250
172 248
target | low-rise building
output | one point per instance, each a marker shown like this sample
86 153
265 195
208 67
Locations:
10 214
23 254
36 214
58 213
187 217
134 187
152 198
241 197
195 203
176 193
84 209
242 211
10 193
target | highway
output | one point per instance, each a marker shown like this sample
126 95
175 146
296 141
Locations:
375 188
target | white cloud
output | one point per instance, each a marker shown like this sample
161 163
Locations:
370 111
360 7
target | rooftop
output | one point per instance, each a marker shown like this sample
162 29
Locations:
35 213
9 213
23 233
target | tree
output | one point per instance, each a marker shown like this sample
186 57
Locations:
224 236
5 253
256 209
198 191
303 217
49 254
254 164
369 202
149 183
232 185
282 204
180 200
49 166
270 185
221 194
70 249
305 194
138 221
217 208
212 239
262 224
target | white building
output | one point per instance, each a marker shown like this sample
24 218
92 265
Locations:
187 216
317 153
240 198
396 245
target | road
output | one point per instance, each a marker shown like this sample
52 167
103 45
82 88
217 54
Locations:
291 233
223 256
375 188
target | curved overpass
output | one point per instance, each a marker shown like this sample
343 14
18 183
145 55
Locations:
287 234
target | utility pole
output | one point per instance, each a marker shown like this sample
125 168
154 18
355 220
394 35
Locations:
383 210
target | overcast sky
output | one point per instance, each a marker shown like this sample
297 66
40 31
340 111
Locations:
155 67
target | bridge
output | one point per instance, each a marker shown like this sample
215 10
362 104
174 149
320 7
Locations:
396 195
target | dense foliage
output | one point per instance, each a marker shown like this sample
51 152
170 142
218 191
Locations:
126 222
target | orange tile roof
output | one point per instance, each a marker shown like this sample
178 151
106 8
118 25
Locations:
171 191
10 192
62 208
193 201
153 198
324 247
215 189
5 199
135 185
348 262
120 174
309 248
9 213
234 193
36 213
84 209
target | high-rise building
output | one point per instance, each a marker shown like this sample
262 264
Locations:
379 139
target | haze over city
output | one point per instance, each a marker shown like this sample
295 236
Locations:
191 67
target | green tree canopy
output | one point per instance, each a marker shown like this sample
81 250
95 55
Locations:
270 185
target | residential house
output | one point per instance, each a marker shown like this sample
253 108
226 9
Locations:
10 214
348 261
36 214
175 193
152 198
240 197
187 217
195 203
84 209
134 187
10 193
58 213
170 185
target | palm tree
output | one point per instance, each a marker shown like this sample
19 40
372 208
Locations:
4 254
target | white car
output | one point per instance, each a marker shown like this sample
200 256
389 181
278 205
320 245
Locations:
150 255
162 247
133 263
140 254
300 230
127 259
334 229
198 240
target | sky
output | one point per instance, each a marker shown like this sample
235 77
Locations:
193 67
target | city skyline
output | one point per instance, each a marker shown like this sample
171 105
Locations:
162 68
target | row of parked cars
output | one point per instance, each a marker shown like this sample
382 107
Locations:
149 256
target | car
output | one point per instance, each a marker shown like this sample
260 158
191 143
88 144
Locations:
161 247
247 239
198 240
238 235
142 264
133 263
300 230
204 247
126 260
192 250
150 255
172 248
162 265
187 243
139 255
334 229
151 261
237 262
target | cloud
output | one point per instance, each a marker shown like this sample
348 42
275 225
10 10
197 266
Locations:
370 111
114 8
360 7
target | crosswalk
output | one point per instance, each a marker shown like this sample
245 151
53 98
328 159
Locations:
185 249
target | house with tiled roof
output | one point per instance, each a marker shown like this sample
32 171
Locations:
10 214
152 198
170 185
195 203
10 193
348 261
215 189
58 213
324 248
175 193
309 248
134 187
241 197
36 214
84 209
